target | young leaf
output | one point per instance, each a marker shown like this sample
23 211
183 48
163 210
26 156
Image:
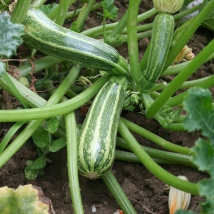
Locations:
200 116
109 9
10 35
31 174
52 125
57 145
39 163
41 137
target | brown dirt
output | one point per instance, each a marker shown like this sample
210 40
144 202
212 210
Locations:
147 193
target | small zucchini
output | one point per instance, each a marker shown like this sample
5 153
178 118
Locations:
46 36
97 137
162 34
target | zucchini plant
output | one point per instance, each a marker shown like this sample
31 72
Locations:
64 57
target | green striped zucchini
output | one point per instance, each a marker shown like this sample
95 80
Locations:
46 36
162 34
97 137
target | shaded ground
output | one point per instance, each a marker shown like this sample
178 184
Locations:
146 192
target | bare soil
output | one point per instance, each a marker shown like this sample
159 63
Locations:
147 193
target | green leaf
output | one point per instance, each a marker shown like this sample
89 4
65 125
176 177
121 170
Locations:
52 125
41 137
204 155
10 35
31 174
110 11
198 105
207 190
48 8
57 145
2 68
39 163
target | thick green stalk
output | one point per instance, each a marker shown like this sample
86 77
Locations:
62 11
118 193
20 11
132 40
9 135
32 99
153 167
39 65
174 85
178 99
7 78
131 157
33 125
120 25
83 17
110 27
54 110
76 12
156 139
71 136
169 157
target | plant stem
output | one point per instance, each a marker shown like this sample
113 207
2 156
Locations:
9 135
62 11
154 168
84 15
20 11
38 3
33 125
131 157
54 110
76 12
132 39
168 157
39 65
156 139
116 190
178 99
15 92
32 99
174 85
71 136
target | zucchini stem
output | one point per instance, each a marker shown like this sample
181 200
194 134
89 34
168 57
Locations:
71 136
34 125
118 193
153 167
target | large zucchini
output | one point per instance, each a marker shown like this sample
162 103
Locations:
44 35
162 34
96 144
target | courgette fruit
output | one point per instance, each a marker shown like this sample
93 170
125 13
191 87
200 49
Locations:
97 137
46 36
162 34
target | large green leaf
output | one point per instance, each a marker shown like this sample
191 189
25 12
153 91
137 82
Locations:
198 105
10 37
